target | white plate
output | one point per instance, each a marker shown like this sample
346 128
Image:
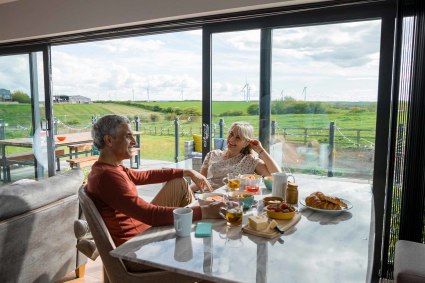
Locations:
202 198
349 206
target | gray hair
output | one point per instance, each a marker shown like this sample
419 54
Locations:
245 130
107 125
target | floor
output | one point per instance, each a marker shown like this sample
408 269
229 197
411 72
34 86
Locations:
93 274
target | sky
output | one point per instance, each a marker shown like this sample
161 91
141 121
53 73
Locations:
337 62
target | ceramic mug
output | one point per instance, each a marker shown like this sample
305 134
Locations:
183 221
280 184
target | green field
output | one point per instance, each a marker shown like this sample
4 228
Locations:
158 127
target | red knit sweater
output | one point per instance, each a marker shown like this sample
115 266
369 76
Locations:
113 191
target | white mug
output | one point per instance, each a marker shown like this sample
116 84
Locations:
280 184
183 221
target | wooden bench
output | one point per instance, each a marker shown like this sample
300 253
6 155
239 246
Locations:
27 158
76 149
90 160
83 161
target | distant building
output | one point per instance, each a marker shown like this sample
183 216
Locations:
75 99
5 95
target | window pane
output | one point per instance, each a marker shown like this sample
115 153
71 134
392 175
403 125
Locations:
324 94
235 79
155 77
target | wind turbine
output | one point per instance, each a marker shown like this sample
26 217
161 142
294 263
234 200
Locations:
305 93
246 92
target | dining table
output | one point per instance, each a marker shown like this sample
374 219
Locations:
323 246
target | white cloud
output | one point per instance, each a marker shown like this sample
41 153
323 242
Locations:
334 62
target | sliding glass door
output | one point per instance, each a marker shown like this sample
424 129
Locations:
323 94
314 85
25 125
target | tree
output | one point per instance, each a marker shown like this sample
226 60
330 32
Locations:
20 97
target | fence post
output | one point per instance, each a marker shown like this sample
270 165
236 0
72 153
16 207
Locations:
55 126
331 148
273 128
214 130
93 119
176 135
358 138
2 129
305 135
221 124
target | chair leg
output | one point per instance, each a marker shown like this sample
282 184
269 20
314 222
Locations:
105 276
80 271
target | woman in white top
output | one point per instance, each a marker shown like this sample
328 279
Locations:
244 155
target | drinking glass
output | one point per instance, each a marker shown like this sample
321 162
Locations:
233 213
253 185
232 181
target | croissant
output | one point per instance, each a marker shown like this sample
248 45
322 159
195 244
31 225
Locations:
335 200
330 206
319 200
320 195
313 201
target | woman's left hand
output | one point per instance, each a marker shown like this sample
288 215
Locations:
256 145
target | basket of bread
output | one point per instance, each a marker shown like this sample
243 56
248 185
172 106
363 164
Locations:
320 201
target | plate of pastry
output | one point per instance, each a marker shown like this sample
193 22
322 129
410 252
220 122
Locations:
320 202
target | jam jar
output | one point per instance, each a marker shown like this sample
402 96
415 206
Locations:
292 193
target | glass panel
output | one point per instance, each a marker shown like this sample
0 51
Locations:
235 80
16 122
156 78
324 94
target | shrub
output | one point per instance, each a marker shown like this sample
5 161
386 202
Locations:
21 97
355 110
232 113
253 109
154 117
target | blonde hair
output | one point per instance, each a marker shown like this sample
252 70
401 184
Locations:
244 130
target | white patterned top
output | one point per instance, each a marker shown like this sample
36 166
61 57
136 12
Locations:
219 167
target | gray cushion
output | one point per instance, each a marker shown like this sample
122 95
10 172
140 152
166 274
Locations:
409 263
48 191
